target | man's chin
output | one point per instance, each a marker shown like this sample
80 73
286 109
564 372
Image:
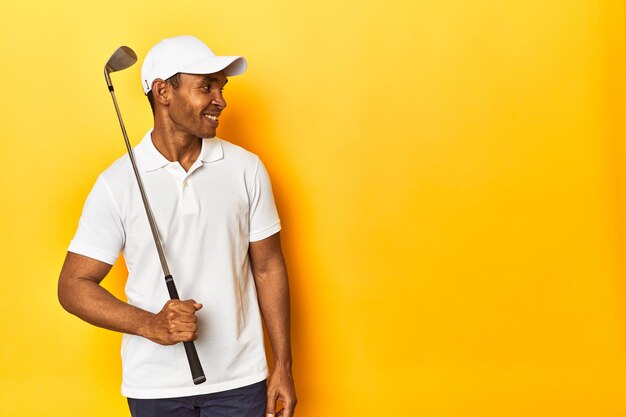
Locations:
209 134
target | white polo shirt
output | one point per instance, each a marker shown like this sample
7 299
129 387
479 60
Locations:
206 218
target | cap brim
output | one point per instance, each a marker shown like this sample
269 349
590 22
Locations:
231 65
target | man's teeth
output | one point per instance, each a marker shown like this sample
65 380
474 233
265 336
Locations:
210 116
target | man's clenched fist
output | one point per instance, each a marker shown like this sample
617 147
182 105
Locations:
176 322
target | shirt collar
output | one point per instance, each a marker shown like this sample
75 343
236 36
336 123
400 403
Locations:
150 159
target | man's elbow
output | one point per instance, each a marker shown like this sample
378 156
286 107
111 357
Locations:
64 294
77 280
270 269
69 291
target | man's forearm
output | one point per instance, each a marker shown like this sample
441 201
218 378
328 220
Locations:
91 302
270 276
80 293
273 293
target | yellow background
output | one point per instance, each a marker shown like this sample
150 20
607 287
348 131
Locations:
450 174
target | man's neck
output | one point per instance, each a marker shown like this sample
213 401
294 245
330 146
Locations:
174 146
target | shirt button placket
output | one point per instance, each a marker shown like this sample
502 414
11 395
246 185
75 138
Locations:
190 205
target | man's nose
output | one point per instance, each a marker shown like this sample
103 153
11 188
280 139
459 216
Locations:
219 101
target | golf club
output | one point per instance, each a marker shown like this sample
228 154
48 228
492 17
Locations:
121 59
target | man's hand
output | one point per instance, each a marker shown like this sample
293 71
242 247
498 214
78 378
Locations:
280 387
176 322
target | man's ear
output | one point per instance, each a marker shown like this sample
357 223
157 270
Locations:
161 91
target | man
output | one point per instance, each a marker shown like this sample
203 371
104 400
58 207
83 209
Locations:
215 213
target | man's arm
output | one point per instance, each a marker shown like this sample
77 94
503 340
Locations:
81 294
270 276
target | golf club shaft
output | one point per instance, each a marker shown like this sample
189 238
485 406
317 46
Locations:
190 349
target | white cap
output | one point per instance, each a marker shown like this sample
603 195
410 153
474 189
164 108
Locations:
185 54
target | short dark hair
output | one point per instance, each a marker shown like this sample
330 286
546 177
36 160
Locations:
174 80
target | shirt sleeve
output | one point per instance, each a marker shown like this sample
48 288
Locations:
264 220
100 233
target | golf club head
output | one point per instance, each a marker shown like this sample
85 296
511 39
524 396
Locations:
122 58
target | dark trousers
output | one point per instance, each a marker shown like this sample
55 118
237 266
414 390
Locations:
248 401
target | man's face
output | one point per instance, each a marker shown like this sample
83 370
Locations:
195 106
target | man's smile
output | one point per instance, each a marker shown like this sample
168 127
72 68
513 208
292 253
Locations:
213 119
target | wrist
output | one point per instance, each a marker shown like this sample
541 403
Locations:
284 365
144 326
